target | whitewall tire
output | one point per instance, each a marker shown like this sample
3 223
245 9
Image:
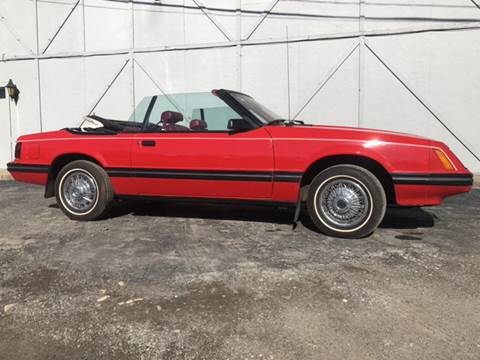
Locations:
83 190
346 201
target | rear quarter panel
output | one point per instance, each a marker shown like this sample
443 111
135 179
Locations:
108 150
45 148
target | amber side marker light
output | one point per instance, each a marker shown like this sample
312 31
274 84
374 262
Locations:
447 164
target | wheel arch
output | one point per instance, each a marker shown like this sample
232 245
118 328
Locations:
366 162
58 163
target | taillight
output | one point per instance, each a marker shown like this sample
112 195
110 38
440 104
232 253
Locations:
18 150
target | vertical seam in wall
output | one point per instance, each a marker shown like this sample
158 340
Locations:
239 46
361 61
39 85
84 60
132 54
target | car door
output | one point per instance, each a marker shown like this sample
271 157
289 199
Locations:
176 157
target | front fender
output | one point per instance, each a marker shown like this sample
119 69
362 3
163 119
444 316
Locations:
352 150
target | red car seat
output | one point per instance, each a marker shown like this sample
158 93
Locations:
198 125
170 119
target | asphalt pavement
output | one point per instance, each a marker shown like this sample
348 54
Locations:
189 281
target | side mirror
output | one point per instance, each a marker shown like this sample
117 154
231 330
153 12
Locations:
237 125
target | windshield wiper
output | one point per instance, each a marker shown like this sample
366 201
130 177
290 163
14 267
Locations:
286 122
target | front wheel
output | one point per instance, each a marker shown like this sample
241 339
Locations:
83 190
346 201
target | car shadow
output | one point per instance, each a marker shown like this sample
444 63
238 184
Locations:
407 218
197 210
395 218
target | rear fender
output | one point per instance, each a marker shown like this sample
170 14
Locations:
58 163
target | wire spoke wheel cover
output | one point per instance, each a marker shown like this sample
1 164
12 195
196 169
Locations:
347 201
344 202
79 191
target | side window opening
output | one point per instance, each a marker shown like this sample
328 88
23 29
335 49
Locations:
186 112
215 118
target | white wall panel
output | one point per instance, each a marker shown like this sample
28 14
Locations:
24 119
314 18
5 140
62 93
17 28
9 46
263 76
159 26
53 38
166 68
210 69
107 25
397 14
310 64
184 48
337 102
441 76
200 29
25 75
228 20
99 73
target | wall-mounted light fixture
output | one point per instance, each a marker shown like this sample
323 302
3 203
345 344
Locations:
12 91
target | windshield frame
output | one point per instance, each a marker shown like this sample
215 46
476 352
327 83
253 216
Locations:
229 98
263 115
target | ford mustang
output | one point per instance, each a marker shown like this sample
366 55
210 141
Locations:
224 145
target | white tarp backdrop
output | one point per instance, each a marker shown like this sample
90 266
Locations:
404 65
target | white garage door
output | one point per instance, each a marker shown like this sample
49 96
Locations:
390 64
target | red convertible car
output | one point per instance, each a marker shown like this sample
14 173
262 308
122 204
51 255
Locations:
225 145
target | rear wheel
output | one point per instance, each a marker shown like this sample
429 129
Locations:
346 201
83 190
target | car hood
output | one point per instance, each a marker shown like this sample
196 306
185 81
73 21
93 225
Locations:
344 132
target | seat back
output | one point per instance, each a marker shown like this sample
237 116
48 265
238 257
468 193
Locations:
198 125
170 119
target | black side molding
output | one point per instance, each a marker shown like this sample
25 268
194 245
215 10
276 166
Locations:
286 176
39 169
433 179
268 176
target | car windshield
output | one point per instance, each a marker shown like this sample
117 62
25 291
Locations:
261 112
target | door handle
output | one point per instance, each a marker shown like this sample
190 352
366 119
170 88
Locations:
147 143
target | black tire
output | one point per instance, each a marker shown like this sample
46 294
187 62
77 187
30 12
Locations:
346 201
94 177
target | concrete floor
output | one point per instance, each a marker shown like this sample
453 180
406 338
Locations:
170 281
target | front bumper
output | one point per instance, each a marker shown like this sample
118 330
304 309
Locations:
433 179
429 189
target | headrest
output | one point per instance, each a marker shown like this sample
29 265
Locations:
197 124
171 117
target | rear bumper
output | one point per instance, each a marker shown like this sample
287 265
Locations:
29 173
27 168
429 189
